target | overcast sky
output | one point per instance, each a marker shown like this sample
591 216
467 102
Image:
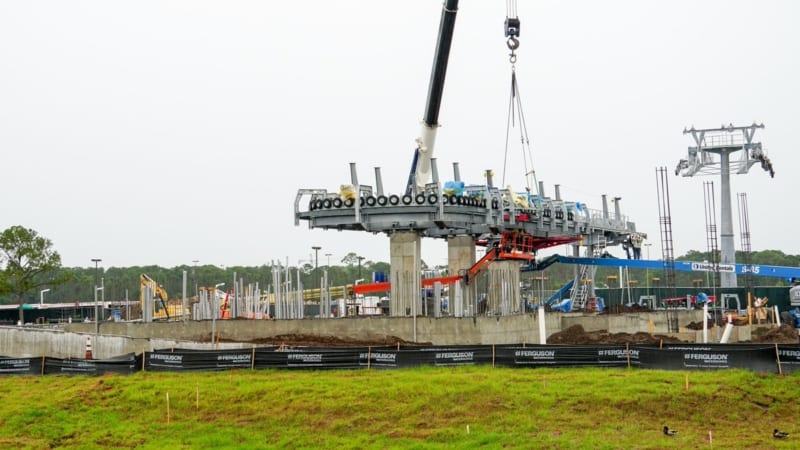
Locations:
162 132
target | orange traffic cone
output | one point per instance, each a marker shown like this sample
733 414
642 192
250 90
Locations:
88 347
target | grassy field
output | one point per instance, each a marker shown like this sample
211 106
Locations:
463 407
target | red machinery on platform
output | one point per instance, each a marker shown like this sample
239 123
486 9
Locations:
513 245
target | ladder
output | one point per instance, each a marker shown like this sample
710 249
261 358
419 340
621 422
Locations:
583 286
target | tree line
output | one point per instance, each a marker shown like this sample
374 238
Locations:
29 265
72 284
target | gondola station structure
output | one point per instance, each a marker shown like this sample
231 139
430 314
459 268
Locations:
512 226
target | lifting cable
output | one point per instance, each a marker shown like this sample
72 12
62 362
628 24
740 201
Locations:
512 24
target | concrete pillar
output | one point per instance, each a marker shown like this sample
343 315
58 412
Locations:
460 258
503 296
404 257
727 250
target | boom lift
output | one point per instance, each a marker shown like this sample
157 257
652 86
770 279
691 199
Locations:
514 245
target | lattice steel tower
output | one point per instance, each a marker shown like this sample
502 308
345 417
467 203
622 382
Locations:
703 160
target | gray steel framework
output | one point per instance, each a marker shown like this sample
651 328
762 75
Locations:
701 159
483 212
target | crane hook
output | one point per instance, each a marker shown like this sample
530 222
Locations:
513 43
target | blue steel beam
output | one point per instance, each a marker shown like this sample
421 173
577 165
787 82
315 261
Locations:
688 266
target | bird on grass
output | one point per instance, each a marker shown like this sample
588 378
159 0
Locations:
779 434
669 432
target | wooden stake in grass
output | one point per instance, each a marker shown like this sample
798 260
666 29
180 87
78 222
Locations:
686 385
167 408
544 381
467 429
710 439
197 397
628 353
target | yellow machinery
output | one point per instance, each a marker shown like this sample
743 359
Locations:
161 309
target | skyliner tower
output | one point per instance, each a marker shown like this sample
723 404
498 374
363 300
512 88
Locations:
714 153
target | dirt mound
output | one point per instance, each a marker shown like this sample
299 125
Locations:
309 340
699 325
785 334
623 309
576 335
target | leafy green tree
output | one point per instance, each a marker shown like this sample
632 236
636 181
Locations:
29 262
350 259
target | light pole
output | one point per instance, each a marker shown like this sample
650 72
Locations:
360 258
96 276
96 311
194 275
329 260
95 261
316 249
41 295
96 282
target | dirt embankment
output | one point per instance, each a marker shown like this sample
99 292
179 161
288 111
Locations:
785 334
309 340
576 335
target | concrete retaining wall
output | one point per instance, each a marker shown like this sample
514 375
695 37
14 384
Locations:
442 331
632 322
32 342
120 338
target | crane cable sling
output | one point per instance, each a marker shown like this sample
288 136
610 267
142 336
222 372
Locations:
515 105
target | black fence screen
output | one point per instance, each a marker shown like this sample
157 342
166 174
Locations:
765 358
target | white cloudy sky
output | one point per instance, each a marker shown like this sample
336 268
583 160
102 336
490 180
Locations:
161 132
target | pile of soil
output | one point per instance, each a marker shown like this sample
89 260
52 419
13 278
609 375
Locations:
785 334
576 335
699 325
309 340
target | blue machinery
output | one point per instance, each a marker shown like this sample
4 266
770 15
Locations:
788 273
687 266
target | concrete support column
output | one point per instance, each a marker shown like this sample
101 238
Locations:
404 257
503 296
727 250
460 258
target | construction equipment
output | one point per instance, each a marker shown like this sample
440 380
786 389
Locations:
160 309
421 168
513 245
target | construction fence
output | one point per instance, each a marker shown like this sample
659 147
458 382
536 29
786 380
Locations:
762 358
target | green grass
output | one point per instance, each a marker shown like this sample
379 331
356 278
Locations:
416 408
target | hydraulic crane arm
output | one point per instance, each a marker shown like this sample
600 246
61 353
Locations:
421 166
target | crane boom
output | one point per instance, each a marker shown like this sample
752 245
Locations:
421 166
